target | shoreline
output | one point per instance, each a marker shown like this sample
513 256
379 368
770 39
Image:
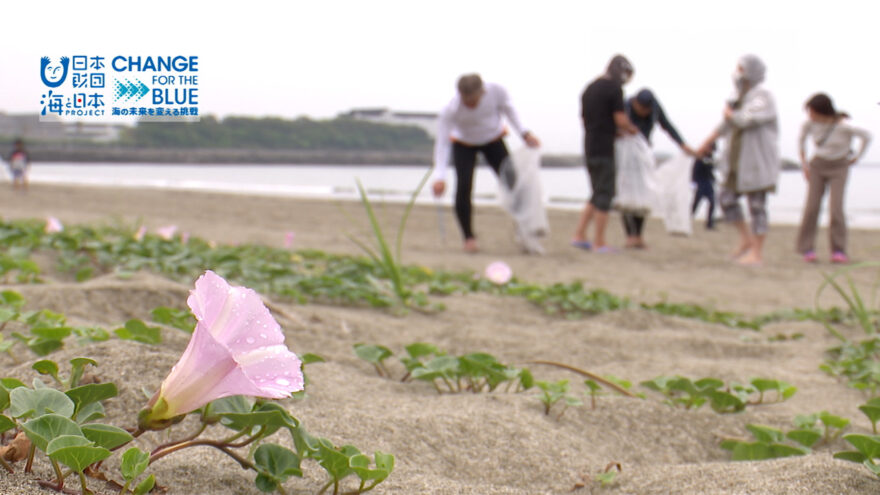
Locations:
681 269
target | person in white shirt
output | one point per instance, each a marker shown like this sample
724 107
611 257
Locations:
832 137
472 123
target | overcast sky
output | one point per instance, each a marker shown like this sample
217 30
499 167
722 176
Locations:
320 58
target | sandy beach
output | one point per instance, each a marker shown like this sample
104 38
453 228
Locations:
490 443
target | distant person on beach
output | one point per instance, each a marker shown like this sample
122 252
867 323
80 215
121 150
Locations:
19 166
832 137
703 177
643 110
604 117
750 161
472 123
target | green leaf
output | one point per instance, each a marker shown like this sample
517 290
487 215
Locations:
306 445
606 478
333 460
145 486
269 415
138 331
177 318
93 334
729 444
65 441
833 421
90 412
6 424
107 436
526 380
11 298
866 444
47 367
309 358
766 434
804 437
764 384
265 483
705 384
134 463
44 429
78 366
850 456
233 404
872 412
52 333
25 402
41 346
421 349
7 314
756 451
278 462
723 402
805 421
439 367
374 354
75 452
783 450
93 392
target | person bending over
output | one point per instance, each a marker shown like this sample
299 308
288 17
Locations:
473 123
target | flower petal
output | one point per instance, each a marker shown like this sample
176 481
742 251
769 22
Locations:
206 371
275 370
235 316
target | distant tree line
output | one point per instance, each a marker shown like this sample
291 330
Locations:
341 133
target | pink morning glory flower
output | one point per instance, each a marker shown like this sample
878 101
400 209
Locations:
141 231
167 232
53 225
288 239
237 348
498 273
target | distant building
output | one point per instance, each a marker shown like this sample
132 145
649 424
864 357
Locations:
32 127
425 120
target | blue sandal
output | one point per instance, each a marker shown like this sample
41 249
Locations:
585 245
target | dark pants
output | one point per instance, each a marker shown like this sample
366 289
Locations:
633 223
465 158
705 189
602 179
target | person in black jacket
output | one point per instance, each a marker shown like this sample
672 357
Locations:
703 176
644 111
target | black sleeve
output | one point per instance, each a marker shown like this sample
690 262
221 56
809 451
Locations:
617 99
667 125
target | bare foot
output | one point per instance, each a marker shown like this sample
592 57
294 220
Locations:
750 258
470 246
741 251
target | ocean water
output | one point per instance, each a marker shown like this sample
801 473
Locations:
564 188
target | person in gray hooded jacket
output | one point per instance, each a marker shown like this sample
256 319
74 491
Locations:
750 161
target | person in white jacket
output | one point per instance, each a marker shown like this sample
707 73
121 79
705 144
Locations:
750 160
472 123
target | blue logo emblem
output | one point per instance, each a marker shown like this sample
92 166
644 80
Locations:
49 72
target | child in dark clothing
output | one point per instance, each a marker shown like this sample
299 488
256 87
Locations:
704 178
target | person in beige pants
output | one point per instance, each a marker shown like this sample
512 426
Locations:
832 137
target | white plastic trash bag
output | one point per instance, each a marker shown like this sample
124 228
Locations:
675 197
636 185
521 195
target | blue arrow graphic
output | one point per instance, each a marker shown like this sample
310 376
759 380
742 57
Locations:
121 90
